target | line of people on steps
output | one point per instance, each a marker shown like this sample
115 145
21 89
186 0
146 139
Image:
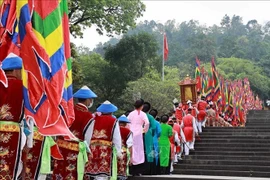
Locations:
139 142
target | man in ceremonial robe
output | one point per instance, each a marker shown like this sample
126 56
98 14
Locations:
74 152
83 125
148 139
211 115
139 124
179 113
126 135
106 144
36 161
201 117
194 110
179 149
12 138
174 141
190 130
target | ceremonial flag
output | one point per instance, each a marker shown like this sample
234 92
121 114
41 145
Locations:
209 89
198 75
165 48
216 84
204 80
8 35
45 69
67 100
165 53
3 78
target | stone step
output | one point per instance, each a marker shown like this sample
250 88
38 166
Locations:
261 126
232 151
235 130
192 177
222 172
207 148
236 133
260 113
258 125
230 144
258 119
205 136
232 140
265 133
226 162
257 122
227 157
222 167
227 153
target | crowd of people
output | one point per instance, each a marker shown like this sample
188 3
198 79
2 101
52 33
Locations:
139 142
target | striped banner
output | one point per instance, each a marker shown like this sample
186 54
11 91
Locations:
67 102
47 79
8 35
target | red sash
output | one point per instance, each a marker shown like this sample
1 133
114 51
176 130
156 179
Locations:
66 168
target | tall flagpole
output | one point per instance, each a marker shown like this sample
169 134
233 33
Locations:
163 61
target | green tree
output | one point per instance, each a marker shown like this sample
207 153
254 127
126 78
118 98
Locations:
234 68
159 93
92 67
101 47
77 73
134 55
110 16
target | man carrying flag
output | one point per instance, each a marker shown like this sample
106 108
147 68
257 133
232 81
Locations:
12 139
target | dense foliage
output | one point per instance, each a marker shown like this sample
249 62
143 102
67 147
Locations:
110 16
121 68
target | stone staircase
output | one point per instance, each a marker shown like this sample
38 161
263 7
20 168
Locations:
229 152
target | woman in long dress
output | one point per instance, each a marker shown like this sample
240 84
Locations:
164 145
139 125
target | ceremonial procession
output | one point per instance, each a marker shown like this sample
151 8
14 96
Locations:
56 124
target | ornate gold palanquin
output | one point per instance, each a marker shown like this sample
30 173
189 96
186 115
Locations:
188 90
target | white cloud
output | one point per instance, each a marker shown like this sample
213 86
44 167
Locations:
206 12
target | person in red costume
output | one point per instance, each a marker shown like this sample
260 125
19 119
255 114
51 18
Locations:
174 141
127 142
211 115
179 149
106 144
190 130
12 138
84 122
194 110
179 113
74 151
201 117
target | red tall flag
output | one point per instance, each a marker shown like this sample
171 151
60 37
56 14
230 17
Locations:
165 48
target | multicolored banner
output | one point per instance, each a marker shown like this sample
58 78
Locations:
43 35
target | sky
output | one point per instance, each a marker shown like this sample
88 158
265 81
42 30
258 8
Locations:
206 12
